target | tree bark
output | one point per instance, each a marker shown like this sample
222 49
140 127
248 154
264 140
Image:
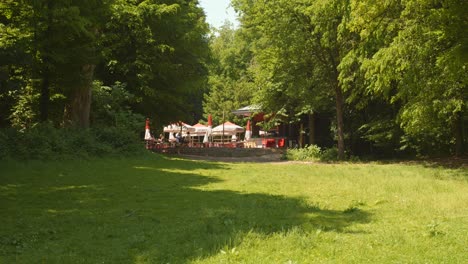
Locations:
80 105
45 96
312 129
339 121
45 90
458 133
301 135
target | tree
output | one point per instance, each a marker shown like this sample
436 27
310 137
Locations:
299 50
160 50
413 56
54 50
230 84
58 40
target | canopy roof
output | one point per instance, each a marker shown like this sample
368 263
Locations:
178 127
229 129
201 129
248 110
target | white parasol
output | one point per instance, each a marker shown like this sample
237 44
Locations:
227 128
200 129
179 127
248 131
147 130
205 138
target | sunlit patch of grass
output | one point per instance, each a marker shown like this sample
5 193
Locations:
166 210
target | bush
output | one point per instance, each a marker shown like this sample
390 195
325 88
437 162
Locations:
312 153
309 153
45 142
4 145
330 154
119 140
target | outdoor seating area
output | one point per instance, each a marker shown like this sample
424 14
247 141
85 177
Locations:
226 135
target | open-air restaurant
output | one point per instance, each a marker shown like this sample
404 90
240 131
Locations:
227 135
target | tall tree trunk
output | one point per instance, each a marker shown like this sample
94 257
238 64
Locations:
334 55
301 135
339 120
80 105
45 97
45 90
312 129
458 133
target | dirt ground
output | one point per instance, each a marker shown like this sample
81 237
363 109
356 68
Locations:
277 157
450 162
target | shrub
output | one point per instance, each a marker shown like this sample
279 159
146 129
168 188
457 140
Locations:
120 141
309 153
330 154
312 153
4 145
46 142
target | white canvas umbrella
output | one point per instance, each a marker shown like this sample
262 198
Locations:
227 128
179 127
147 130
200 129
248 131
171 137
209 127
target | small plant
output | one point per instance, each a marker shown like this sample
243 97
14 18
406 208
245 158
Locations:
434 229
330 154
309 153
351 209
313 153
47 142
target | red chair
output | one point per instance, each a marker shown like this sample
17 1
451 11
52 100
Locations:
281 142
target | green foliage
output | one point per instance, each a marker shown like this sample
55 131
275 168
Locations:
117 140
298 46
394 72
44 142
112 107
308 153
329 154
230 85
313 153
160 50
115 130
405 54
24 112
404 61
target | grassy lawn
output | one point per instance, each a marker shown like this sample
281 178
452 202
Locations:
167 210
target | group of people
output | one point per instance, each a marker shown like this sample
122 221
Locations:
178 138
161 138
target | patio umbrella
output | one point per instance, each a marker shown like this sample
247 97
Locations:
206 138
248 132
228 128
200 129
147 130
210 121
179 127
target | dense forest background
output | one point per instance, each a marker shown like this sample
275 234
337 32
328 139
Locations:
78 77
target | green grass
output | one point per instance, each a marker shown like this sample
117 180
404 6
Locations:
167 210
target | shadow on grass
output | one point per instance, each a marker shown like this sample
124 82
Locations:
450 162
151 212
